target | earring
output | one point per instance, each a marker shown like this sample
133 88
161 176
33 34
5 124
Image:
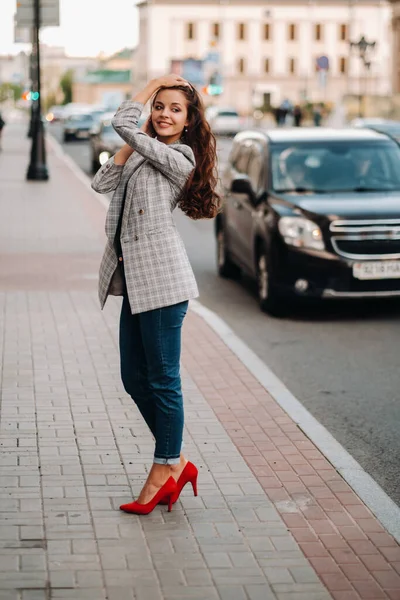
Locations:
185 129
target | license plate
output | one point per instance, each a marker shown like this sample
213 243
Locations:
388 269
82 134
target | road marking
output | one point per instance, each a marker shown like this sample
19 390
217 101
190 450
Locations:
370 492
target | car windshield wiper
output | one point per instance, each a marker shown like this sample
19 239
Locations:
300 190
362 189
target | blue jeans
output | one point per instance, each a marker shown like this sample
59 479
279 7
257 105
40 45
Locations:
150 350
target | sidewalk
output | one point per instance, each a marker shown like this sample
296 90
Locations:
273 519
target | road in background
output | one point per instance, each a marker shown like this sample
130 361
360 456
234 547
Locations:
339 359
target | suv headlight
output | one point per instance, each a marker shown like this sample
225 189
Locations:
301 233
103 157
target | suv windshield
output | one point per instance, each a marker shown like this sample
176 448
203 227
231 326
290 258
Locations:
329 167
80 118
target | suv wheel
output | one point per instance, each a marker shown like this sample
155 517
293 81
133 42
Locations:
95 165
226 268
270 300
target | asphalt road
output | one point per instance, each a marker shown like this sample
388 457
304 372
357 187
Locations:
341 360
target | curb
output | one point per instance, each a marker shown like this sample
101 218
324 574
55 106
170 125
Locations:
370 492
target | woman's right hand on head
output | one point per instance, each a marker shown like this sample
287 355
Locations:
171 81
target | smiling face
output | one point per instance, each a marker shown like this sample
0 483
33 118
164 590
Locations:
169 115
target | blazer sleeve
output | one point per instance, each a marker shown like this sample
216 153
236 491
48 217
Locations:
107 177
175 161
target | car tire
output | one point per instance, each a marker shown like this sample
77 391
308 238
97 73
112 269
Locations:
95 166
270 300
67 137
226 267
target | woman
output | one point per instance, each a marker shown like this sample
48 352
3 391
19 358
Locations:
171 162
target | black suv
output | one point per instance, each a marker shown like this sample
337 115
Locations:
312 213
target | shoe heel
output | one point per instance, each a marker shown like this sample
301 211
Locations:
170 503
194 485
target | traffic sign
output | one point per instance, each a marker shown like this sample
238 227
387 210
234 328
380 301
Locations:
49 13
323 62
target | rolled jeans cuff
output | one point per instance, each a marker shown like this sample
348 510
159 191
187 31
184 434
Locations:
166 461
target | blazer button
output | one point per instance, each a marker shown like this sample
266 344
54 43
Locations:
120 259
141 211
136 238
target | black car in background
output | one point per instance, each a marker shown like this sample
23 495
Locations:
105 141
77 126
387 126
312 213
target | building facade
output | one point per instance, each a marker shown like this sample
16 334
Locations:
268 50
396 46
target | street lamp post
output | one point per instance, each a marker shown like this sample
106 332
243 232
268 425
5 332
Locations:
37 169
363 46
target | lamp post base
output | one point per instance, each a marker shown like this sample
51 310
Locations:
37 170
37 173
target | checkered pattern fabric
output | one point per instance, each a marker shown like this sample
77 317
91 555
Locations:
157 269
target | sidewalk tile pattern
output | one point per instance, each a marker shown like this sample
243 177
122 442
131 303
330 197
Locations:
273 520
345 544
74 447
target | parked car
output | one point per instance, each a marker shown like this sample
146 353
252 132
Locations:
77 126
312 213
105 141
224 121
387 126
55 113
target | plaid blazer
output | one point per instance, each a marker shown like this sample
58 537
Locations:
157 269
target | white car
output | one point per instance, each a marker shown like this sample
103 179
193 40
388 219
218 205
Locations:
224 121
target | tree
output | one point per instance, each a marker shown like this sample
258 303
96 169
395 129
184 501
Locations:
51 100
8 90
66 82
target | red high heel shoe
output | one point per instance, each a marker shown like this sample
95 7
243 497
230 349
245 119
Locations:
163 496
189 474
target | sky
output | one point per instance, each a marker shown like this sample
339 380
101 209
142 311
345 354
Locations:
87 27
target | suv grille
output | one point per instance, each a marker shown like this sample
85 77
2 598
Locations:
366 239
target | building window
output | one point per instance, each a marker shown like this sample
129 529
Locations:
318 32
292 66
190 33
343 32
267 31
216 31
292 32
343 65
241 31
241 65
266 65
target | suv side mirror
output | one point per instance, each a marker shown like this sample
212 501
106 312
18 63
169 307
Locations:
242 185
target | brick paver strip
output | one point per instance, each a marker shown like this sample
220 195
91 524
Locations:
271 513
348 548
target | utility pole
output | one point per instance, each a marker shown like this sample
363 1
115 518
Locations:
37 169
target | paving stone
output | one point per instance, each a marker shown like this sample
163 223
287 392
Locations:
232 592
262 592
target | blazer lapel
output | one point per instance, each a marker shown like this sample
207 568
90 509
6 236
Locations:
131 169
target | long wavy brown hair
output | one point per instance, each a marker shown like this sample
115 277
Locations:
199 199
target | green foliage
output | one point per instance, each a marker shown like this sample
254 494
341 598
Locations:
51 100
8 90
66 82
